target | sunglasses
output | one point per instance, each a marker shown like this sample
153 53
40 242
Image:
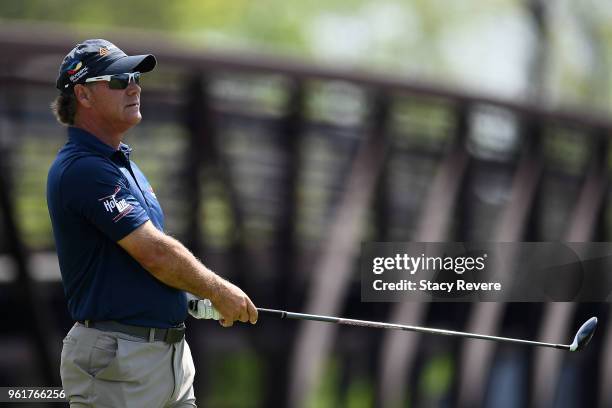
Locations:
117 81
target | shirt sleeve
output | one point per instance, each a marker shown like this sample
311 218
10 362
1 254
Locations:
97 191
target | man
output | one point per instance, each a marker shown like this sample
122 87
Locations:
124 279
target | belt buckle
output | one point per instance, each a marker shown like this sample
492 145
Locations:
175 334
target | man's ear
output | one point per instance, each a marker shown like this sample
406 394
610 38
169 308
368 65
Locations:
83 95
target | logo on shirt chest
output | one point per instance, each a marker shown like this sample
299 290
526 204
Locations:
111 204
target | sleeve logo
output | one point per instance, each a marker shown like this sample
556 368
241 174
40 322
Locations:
111 204
152 192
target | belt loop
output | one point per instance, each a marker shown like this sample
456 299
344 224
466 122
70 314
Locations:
152 335
87 323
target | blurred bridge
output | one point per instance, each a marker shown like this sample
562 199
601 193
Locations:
273 172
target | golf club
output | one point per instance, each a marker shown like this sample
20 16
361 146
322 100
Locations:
203 309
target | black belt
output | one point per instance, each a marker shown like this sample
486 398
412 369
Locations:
170 336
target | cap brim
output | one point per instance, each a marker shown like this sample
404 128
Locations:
131 63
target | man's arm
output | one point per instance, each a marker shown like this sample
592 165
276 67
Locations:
173 264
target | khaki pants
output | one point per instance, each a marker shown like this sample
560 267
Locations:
111 369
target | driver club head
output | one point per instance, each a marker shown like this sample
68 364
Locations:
584 334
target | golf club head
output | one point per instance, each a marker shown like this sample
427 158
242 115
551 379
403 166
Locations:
584 334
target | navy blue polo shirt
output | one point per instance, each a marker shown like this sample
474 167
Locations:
96 196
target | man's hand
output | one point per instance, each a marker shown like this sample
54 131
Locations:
233 304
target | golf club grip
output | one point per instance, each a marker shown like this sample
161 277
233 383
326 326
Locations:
300 316
204 309
272 312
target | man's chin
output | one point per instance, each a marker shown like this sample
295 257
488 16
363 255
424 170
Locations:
133 120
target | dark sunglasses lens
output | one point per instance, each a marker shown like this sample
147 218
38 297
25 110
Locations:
118 82
121 81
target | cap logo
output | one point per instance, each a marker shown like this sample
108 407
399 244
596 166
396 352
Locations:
78 75
73 70
104 51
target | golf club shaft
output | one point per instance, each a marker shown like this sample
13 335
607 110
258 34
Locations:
364 323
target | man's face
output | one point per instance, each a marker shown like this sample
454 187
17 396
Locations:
119 108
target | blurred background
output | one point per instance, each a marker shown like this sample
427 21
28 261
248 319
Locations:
280 135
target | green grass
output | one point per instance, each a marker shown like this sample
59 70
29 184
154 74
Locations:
236 381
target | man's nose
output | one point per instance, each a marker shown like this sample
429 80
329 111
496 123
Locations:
133 88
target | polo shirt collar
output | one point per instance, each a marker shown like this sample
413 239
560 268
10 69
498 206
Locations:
91 142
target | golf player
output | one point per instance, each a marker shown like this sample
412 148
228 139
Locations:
125 280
